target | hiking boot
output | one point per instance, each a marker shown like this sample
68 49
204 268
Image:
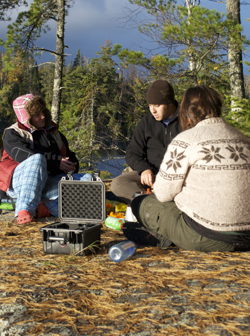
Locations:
42 211
143 236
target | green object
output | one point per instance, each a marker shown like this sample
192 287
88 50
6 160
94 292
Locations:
6 206
114 223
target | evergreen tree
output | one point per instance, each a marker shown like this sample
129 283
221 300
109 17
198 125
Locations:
7 5
133 103
46 73
28 27
247 86
78 61
81 61
101 86
238 113
1 71
7 94
70 67
192 41
35 80
96 105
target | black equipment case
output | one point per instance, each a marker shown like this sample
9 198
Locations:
82 209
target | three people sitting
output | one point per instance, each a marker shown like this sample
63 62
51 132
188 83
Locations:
200 176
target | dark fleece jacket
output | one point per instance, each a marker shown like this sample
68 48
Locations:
150 141
17 148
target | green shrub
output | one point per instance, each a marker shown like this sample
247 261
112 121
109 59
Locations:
238 115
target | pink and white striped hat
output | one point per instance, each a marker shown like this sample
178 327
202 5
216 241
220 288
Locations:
19 108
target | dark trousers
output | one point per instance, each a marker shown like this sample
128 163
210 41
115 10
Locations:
125 185
167 220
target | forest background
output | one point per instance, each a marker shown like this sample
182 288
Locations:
98 102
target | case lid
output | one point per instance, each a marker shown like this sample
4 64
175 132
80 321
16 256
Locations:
81 201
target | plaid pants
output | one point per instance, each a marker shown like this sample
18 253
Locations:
31 184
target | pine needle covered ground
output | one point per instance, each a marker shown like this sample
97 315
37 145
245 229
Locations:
155 292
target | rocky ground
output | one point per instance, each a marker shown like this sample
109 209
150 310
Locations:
155 292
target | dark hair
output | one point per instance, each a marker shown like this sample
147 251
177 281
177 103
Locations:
199 103
36 105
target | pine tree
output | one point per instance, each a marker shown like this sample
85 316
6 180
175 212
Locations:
192 41
6 6
46 73
28 27
95 102
35 80
1 71
78 60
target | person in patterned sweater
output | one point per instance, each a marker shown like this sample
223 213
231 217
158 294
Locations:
201 199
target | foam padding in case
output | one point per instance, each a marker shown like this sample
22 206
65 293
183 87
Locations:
83 201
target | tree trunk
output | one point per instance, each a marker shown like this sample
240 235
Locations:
192 64
92 119
55 109
235 53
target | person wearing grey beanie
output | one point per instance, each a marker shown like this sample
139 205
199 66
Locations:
150 140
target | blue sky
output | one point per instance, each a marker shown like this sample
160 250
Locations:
91 22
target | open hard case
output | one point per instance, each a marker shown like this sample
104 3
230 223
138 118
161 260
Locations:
81 211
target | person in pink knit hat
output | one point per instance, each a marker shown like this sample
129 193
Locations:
34 159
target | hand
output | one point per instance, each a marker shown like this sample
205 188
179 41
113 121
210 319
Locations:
66 165
147 178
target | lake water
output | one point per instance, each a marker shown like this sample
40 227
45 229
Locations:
113 162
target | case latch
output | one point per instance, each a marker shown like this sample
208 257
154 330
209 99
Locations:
69 175
96 177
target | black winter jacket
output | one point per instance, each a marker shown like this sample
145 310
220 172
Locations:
150 141
19 148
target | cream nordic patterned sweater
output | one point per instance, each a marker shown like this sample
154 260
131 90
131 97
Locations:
206 171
